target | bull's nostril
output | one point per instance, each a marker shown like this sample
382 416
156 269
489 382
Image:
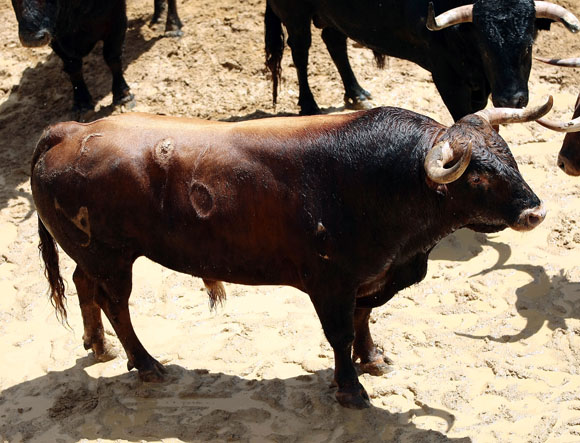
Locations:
561 165
534 220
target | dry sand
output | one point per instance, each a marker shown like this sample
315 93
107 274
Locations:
485 349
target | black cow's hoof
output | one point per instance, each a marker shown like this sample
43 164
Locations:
356 398
175 33
310 110
127 100
358 103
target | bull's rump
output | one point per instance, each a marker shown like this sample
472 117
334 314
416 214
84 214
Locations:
109 193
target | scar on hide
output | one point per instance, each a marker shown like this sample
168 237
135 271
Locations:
201 199
81 221
85 139
163 151
216 291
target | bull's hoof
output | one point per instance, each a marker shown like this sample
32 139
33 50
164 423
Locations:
353 398
379 364
154 373
101 351
375 368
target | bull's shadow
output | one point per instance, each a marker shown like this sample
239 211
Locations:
43 97
198 405
465 244
544 300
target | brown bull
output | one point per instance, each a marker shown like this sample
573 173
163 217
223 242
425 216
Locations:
569 156
343 207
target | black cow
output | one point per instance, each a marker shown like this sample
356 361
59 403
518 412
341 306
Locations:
72 28
343 207
491 54
173 24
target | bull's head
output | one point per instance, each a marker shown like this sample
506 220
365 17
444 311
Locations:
473 165
569 156
36 21
505 31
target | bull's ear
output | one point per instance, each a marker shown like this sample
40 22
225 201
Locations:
437 187
543 24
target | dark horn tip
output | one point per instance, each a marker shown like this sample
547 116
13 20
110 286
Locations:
431 24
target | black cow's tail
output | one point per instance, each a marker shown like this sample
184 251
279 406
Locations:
274 36
47 245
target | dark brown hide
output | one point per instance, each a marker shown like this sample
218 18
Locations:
338 206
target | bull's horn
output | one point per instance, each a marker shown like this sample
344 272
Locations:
442 154
569 126
566 62
502 116
557 13
461 14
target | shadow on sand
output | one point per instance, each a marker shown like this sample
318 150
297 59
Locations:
543 299
198 405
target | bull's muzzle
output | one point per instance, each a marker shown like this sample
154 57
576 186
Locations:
517 100
34 40
530 218
568 166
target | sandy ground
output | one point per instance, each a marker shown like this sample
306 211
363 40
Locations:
485 349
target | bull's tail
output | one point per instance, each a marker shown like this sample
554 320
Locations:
48 250
274 36
47 245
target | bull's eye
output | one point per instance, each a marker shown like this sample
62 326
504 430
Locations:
475 179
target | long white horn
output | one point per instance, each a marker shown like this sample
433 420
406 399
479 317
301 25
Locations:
557 13
461 14
566 62
502 116
569 126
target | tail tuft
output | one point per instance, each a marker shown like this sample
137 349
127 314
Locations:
274 36
216 291
49 251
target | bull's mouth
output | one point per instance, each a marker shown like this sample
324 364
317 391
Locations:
36 40
568 166
529 219
487 229
517 100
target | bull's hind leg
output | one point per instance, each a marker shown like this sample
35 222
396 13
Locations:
113 298
355 97
93 337
371 358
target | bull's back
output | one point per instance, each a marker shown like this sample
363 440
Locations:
184 192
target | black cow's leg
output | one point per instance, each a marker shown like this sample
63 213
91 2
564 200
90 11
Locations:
355 97
82 100
113 298
159 7
173 24
336 316
93 337
371 358
112 52
299 39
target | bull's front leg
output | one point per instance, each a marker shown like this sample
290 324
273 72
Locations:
372 360
336 315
